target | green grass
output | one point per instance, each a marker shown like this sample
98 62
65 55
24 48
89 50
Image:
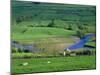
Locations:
42 14
33 29
39 33
91 44
29 55
35 18
57 64
51 10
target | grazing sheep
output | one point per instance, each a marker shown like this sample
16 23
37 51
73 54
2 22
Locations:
24 64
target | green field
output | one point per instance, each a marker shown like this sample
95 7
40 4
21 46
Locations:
34 33
31 14
56 64
34 20
50 28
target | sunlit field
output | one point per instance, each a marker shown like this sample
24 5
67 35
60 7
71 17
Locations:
42 32
36 65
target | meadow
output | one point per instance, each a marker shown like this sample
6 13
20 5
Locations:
34 20
55 64
34 33
51 28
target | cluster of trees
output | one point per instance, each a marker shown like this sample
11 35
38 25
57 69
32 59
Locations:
81 52
18 50
23 18
81 30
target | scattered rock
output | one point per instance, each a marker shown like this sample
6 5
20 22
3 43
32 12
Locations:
48 62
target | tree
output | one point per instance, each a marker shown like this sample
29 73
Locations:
81 30
36 2
69 27
80 34
51 24
80 26
18 20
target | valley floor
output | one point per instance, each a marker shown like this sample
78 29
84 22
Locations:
54 64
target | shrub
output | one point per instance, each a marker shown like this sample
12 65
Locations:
26 51
51 24
84 52
14 50
69 27
19 50
79 52
87 52
18 20
80 33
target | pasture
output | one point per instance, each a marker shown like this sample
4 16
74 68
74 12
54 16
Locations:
51 28
55 64
37 33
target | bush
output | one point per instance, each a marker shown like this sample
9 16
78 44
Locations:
26 51
80 33
84 52
18 20
22 55
79 52
51 24
69 27
87 52
14 50
19 50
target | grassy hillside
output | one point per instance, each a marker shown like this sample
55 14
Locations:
25 33
51 26
27 15
41 30
41 14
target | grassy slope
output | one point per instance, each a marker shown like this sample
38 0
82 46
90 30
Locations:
71 14
43 15
33 14
39 32
57 64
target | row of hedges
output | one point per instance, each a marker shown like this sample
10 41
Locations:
44 55
81 52
32 55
